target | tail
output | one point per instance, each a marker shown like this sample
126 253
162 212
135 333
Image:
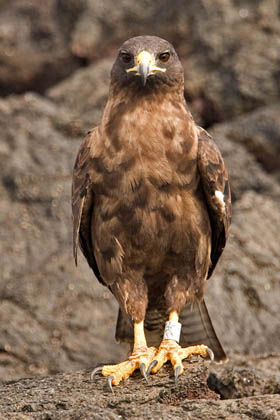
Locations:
197 328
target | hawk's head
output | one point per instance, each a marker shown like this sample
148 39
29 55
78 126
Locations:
148 62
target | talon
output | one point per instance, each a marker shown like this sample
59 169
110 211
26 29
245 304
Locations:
143 371
210 354
178 371
152 365
109 381
97 369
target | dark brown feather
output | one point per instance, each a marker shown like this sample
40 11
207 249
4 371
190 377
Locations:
214 177
83 204
197 328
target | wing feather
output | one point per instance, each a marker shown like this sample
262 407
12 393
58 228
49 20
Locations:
215 183
83 203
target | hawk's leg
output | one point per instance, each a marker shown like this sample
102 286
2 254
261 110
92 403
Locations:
170 350
140 358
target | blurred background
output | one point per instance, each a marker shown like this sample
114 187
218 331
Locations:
55 60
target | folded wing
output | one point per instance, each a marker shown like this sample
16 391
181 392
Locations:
214 179
83 203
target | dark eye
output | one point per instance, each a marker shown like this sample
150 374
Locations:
126 57
164 57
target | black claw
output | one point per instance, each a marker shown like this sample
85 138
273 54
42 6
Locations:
152 365
143 371
210 354
177 373
109 381
97 369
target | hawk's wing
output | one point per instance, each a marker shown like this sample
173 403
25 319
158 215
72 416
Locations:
83 203
214 179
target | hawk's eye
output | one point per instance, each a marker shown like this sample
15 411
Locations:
126 57
164 57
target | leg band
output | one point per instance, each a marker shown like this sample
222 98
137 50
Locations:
172 331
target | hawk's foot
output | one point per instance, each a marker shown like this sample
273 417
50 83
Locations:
171 350
140 359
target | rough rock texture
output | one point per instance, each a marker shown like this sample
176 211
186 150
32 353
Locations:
34 45
258 132
75 396
84 94
57 318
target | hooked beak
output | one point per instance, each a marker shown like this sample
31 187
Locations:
145 66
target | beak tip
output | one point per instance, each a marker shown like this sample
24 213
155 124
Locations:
144 73
143 80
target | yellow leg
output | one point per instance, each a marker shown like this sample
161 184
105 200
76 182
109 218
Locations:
140 358
171 350
139 336
173 316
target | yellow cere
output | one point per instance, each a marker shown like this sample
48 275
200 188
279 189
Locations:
145 57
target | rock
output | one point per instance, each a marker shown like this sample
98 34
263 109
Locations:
35 50
74 395
84 95
239 377
258 132
233 69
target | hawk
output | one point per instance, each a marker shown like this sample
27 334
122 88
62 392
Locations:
151 210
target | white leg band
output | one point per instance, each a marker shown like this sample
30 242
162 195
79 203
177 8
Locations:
172 331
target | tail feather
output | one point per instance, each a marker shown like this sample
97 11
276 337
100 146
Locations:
197 328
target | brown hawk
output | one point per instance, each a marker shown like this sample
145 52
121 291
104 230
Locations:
151 210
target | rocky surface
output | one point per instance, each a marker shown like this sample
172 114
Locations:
83 95
35 45
236 390
55 317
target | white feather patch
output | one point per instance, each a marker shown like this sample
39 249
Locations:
220 197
